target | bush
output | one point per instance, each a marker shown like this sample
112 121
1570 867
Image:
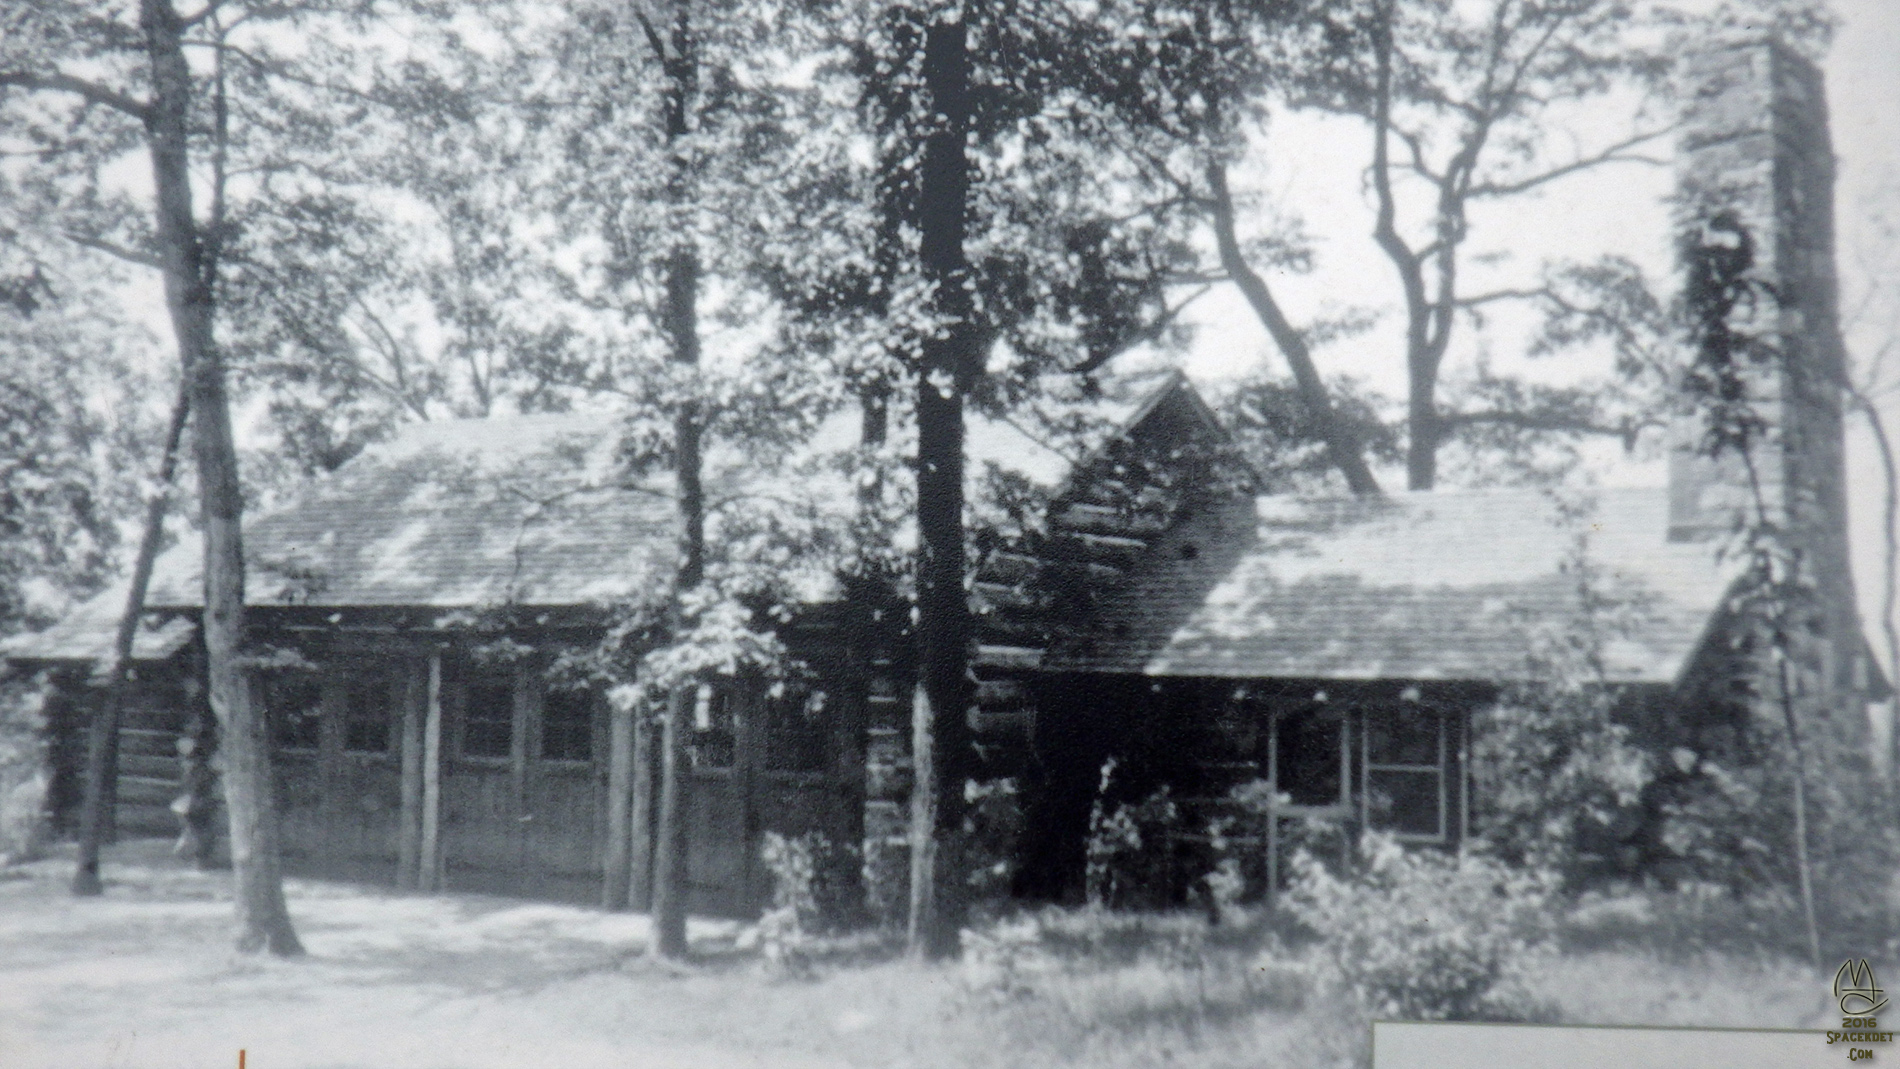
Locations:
1424 935
1128 848
802 902
996 823
23 777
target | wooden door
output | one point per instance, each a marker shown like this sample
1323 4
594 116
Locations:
563 796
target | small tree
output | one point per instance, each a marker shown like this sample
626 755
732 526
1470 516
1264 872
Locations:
1553 765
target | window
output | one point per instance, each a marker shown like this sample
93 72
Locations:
1404 759
488 717
366 715
567 725
713 735
294 703
1307 757
795 729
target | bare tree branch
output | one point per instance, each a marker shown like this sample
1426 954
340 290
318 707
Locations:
1158 326
92 91
1617 153
1342 443
131 256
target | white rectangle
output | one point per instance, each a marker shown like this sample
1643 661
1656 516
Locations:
1445 1045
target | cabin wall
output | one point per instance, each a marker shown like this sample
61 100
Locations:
162 700
517 803
1387 756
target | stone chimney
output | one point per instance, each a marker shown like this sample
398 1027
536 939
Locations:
1755 143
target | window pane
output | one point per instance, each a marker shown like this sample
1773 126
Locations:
1308 759
567 725
294 701
1402 737
488 723
712 740
366 715
795 729
1405 802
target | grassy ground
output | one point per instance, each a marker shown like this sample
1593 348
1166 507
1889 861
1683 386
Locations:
144 978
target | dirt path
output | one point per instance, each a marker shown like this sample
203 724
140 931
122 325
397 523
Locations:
144 978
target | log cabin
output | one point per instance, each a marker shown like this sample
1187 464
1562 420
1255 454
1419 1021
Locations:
1155 616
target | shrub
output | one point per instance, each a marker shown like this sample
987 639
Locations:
23 778
798 912
1424 935
1128 847
996 823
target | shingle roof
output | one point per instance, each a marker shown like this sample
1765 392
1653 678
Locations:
87 632
1441 585
463 513
527 510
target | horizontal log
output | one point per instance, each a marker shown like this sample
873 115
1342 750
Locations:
148 742
148 766
994 693
147 790
1010 568
1109 520
1002 596
1001 656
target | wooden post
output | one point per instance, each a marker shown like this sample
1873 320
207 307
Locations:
616 858
640 820
1464 778
331 702
747 700
414 713
669 853
429 857
1273 810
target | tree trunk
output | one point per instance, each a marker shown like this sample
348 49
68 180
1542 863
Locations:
669 848
263 919
951 362
1803 869
102 752
616 859
1425 432
640 856
680 321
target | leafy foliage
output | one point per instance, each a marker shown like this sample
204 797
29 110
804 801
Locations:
1424 935
1559 773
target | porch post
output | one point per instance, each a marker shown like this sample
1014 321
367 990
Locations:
616 859
1273 810
640 817
414 712
748 701
669 849
429 862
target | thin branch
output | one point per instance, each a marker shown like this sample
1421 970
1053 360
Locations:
1153 330
654 39
1542 293
131 256
210 9
92 91
1617 153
